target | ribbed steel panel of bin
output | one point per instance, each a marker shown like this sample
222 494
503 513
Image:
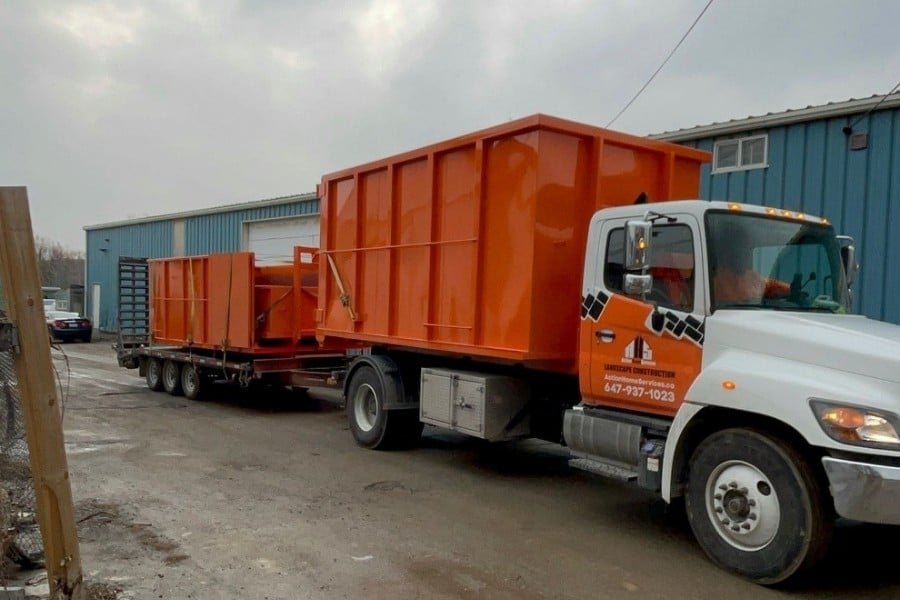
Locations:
476 245
226 302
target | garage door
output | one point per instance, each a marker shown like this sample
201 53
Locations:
273 240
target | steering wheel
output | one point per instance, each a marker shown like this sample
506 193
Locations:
825 301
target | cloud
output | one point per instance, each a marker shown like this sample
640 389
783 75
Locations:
390 35
99 26
113 109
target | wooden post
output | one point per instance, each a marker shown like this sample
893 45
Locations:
37 389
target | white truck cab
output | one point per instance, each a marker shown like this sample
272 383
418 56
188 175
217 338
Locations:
719 362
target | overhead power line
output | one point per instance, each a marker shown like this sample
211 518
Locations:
849 128
656 72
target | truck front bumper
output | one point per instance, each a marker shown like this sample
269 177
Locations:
863 491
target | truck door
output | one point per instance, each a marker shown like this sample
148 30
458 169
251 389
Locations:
643 354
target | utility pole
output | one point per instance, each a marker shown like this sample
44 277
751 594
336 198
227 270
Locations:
40 403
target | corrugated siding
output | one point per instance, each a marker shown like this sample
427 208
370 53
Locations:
204 234
811 169
222 232
103 249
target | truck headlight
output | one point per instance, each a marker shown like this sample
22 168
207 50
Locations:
856 424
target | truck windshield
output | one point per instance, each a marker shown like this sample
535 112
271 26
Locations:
757 261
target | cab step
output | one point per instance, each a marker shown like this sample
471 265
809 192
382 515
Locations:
605 469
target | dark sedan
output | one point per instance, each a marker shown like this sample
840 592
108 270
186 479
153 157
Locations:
67 329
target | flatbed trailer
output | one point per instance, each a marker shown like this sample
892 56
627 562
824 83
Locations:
188 372
266 340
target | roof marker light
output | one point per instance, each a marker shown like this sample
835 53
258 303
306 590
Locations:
728 385
771 211
734 206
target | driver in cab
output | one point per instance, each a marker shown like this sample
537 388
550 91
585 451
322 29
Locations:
735 281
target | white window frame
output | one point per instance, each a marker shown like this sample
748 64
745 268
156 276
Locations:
740 148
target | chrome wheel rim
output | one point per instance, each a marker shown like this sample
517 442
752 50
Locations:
742 505
191 380
365 407
153 370
170 374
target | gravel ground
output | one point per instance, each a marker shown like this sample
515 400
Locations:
243 497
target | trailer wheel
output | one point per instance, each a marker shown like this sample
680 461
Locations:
171 377
372 426
756 507
191 382
154 374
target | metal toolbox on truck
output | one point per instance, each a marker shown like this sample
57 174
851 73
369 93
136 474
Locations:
491 407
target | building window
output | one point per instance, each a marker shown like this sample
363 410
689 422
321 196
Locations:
741 154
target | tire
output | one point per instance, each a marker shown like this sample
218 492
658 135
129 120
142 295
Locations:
171 377
192 382
153 374
756 507
371 425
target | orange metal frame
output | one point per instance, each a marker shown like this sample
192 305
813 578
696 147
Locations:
476 245
226 302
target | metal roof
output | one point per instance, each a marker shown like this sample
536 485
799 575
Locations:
208 211
810 113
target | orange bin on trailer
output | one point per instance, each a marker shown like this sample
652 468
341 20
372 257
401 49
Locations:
476 245
225 301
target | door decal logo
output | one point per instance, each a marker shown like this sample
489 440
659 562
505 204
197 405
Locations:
638 352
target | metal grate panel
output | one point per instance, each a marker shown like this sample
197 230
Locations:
134 302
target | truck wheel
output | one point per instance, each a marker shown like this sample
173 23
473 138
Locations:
756 507
191 382
171 377
372 426
154 374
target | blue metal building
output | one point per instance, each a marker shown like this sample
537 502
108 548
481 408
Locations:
839 160
270 228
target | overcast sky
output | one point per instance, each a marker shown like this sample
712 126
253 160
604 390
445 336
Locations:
114 110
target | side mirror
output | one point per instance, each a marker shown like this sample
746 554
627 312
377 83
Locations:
848 257
637 258
638 285
637 245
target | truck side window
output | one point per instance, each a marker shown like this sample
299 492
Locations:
671 265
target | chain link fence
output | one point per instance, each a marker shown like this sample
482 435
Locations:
20 535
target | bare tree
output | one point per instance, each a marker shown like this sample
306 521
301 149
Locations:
59 266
